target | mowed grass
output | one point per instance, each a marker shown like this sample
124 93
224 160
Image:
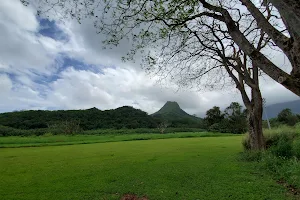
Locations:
178 168
57 140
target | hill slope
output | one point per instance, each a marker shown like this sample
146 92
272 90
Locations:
172 111
123 117
274 109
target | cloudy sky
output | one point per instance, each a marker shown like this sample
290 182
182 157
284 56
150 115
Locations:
52 65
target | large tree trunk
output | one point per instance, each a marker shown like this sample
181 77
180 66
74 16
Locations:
255 111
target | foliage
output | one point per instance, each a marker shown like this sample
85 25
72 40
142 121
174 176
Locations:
8 131
275 136
123 117
281 158
282 147
159 169
287 117
296 148
162 126
214 115
233 120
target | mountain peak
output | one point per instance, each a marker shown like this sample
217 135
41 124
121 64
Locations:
172 103
172 111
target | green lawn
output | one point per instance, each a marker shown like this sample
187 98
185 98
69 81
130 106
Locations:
171 169
57 140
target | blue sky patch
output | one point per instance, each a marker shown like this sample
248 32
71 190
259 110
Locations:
79 65
50 29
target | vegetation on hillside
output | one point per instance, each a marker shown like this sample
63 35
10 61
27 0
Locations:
123 117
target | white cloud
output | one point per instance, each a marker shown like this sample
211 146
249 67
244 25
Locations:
22 49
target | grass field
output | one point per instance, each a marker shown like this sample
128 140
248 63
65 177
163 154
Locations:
58 140
177 168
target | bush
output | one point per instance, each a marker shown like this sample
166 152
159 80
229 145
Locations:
281 159
297 126
273 136
246 142
282 147
296 148
284 169
272 163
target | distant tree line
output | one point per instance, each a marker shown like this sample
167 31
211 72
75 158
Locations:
37 122
285 117
232 120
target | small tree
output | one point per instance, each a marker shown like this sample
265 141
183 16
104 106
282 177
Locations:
70 127
162 126
286 116
214 115
236 118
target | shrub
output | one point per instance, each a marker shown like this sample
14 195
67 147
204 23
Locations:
273 136
282 156
282 168
296 148
246 142
272 163
297 126
48 134
282 147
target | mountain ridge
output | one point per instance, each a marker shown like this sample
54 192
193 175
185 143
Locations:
273 110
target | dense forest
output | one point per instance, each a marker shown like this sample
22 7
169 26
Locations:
123 117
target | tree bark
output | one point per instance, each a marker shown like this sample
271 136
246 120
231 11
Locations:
255 110
254 106
290 11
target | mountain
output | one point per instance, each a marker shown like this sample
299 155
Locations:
172 111
274 109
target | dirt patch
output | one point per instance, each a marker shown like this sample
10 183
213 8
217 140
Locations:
293 190
133 197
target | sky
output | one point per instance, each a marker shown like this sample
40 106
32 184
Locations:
48 64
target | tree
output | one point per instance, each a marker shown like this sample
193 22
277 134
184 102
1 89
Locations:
234 111
236 118
214 115
286 116
162 126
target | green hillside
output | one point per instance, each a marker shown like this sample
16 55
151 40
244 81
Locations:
123 117
171 111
